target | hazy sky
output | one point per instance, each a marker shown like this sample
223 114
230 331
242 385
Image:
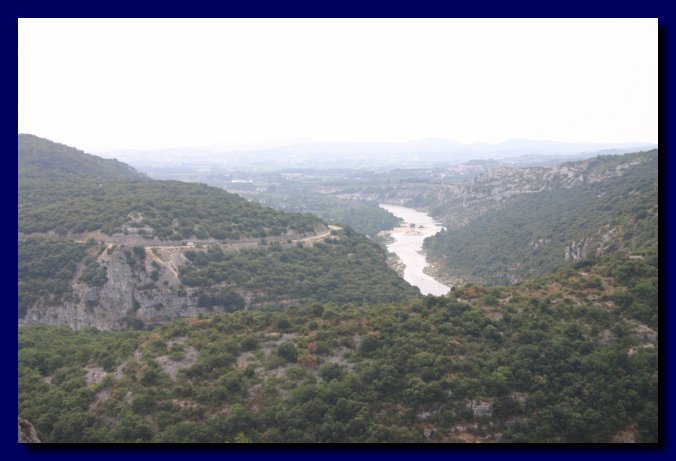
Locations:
144 83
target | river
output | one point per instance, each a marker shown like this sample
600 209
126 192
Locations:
407 245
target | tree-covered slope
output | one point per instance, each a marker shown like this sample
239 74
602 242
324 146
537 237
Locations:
41 159
560 359
67 191
345 268
532 234
365 217
46 270
160 250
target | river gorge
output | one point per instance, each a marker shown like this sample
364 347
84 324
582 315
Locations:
406 241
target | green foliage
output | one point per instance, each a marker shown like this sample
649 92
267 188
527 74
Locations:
562 358
558 369
527 236
41 159
331 371
639 299
288 352
227 300
93 274
343 268
46 268
64 190
348 268
367 218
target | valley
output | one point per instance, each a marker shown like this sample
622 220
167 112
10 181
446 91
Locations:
334 230
176 311
407 245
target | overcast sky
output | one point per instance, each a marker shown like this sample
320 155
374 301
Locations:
113 84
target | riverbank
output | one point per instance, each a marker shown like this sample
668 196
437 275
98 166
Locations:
406 241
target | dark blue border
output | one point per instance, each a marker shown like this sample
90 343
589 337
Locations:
348 8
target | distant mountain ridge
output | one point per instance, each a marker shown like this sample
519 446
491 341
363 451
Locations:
427 152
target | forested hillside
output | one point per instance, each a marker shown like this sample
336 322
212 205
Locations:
531 234
365 217
560 359
43 160
340 269
67 191
240 323
101 246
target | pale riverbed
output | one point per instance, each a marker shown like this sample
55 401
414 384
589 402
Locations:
407 245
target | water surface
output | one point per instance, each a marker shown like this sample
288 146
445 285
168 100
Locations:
408 243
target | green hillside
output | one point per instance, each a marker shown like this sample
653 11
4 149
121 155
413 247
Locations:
41 159
64 190
46 269
367 218
137 263
346 268
558 359
529 234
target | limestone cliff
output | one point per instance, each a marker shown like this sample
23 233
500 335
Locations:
27 432
141 289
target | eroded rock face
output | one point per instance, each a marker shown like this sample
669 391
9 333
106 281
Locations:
578 250
481 408
142 287
129 296
27 433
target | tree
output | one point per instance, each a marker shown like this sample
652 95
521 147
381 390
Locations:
288 351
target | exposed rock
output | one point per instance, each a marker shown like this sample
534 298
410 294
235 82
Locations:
243 359
481 408
537 243
578 250
644 333
129 293
633 350
339 356
460 428
606 337
27 433
143 291
101 396
627 435
95 375
172 367
457 204
427 413
428 431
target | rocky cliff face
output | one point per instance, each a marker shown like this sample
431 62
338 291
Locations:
606 240
463 202
501 183
142 288
578 250
27 432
